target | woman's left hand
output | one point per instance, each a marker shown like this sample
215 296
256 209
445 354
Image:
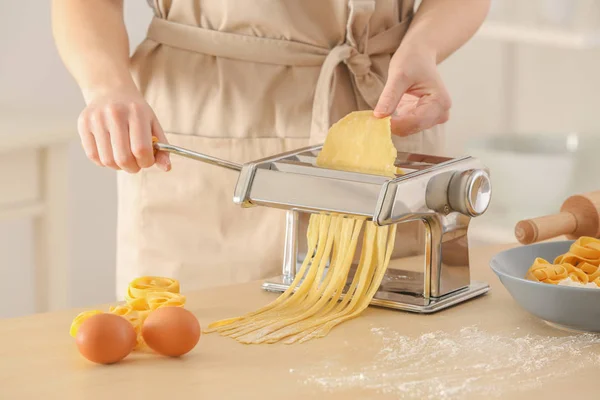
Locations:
414 94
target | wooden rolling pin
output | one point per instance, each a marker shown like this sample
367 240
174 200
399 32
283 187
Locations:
578 216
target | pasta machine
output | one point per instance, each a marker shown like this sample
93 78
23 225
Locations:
431 203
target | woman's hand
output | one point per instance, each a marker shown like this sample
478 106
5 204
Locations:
116 130
117 125
414 94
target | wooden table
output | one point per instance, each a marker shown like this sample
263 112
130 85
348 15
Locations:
484 349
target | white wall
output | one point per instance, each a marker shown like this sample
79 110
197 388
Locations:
474 78
93 254
33 77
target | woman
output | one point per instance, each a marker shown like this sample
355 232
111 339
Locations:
242 80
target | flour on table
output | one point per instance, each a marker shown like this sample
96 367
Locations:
451 365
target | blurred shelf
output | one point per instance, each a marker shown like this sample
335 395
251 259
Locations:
34 144
28 210
539 35
22 127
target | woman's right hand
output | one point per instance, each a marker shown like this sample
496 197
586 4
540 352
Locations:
116 130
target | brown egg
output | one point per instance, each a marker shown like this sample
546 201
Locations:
105 338
171 331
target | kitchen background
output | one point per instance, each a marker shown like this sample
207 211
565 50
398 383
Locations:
525 100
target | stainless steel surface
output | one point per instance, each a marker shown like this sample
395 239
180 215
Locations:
291 246
479 193
244 182
439 260
309 170
431 204
293 181
241 194
312 193
412 196
450 269
405 301
197 156
469 192
436 192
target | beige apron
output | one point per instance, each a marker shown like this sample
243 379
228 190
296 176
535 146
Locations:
243 80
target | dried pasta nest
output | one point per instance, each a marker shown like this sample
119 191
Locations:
144 295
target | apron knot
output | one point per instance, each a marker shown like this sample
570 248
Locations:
356 52
359 64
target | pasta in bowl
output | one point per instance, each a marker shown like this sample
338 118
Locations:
556 281
579 267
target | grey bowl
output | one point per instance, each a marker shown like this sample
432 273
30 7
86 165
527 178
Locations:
568 307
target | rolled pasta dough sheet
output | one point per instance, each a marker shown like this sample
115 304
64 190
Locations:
359 142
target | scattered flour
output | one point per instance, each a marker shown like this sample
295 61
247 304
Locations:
445 365
570 282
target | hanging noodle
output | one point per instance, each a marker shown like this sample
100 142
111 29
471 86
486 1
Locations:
316 301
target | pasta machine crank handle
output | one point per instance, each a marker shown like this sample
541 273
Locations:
194 155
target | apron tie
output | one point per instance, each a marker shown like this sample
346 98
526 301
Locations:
359 64
355 52
368 84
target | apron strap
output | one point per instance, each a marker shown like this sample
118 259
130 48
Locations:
355 52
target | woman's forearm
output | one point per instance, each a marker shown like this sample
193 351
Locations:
92 41
442 26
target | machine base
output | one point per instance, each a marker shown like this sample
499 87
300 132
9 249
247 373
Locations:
405 301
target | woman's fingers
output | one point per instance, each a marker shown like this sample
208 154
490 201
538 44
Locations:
87 139
419 106
118 124
429 111
397 84
140 136
414 94
102 138
116 131
162 157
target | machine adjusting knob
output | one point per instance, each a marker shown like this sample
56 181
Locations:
470 192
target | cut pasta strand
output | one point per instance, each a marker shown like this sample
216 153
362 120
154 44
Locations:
319 298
